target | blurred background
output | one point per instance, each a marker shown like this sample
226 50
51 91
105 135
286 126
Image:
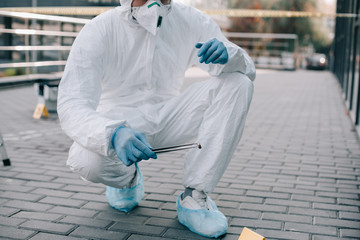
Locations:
36 36
293 42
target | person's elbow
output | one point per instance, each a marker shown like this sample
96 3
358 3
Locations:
252 73
67 107
249 69
64 112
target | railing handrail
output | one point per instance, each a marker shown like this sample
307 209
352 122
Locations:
261 35
35 48
39 32
262 13
36 16
62 11
33 64
31 78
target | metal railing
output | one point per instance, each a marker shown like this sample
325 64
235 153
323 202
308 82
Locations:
27 45
269 50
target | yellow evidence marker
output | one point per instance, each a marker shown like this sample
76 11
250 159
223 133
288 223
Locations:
247 234
40 110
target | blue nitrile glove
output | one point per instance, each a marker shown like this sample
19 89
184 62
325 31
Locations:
131 146
212 51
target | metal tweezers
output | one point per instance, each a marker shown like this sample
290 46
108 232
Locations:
177 148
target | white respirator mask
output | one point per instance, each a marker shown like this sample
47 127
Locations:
150 15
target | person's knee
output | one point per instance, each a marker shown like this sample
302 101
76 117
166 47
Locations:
92 172
109 172
238 83
87 164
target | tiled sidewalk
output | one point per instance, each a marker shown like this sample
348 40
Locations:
295 174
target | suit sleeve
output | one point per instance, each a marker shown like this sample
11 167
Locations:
80 91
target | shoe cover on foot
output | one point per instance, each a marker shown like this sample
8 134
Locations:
207 223
128 198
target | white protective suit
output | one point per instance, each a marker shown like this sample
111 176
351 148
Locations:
118 74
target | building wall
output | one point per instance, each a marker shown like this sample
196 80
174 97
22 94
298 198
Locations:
346 61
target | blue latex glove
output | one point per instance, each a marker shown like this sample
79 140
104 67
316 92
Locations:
212 51
131 146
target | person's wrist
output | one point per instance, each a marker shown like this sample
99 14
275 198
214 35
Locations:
114 135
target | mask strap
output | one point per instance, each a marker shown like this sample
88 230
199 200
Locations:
154 3
159 21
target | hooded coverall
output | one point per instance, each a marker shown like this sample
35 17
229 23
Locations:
118 74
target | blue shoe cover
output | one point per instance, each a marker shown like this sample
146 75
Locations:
128 198
202 221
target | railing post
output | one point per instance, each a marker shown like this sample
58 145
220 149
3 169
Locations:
27 43
41 41
8 38
61 41
3 154
33 43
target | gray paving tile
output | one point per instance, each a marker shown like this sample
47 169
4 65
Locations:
63 201
6 211
162 197
336 207
182 234
284 235
287 217
73 211
261 207
36 177
309 228
53 193
86 232
154 212
7 187
168 206
349 215
267 194
138 228
47 236
231 237
48 226
318 237
294 191
87 189
141 237
28 205
164 222
336 222
241 213
282 202
240 199
252 223
98 206
350 233
150 204
9 221
15 233
313 198
22 196
48 185
88 196
86 221
122 217
37 215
